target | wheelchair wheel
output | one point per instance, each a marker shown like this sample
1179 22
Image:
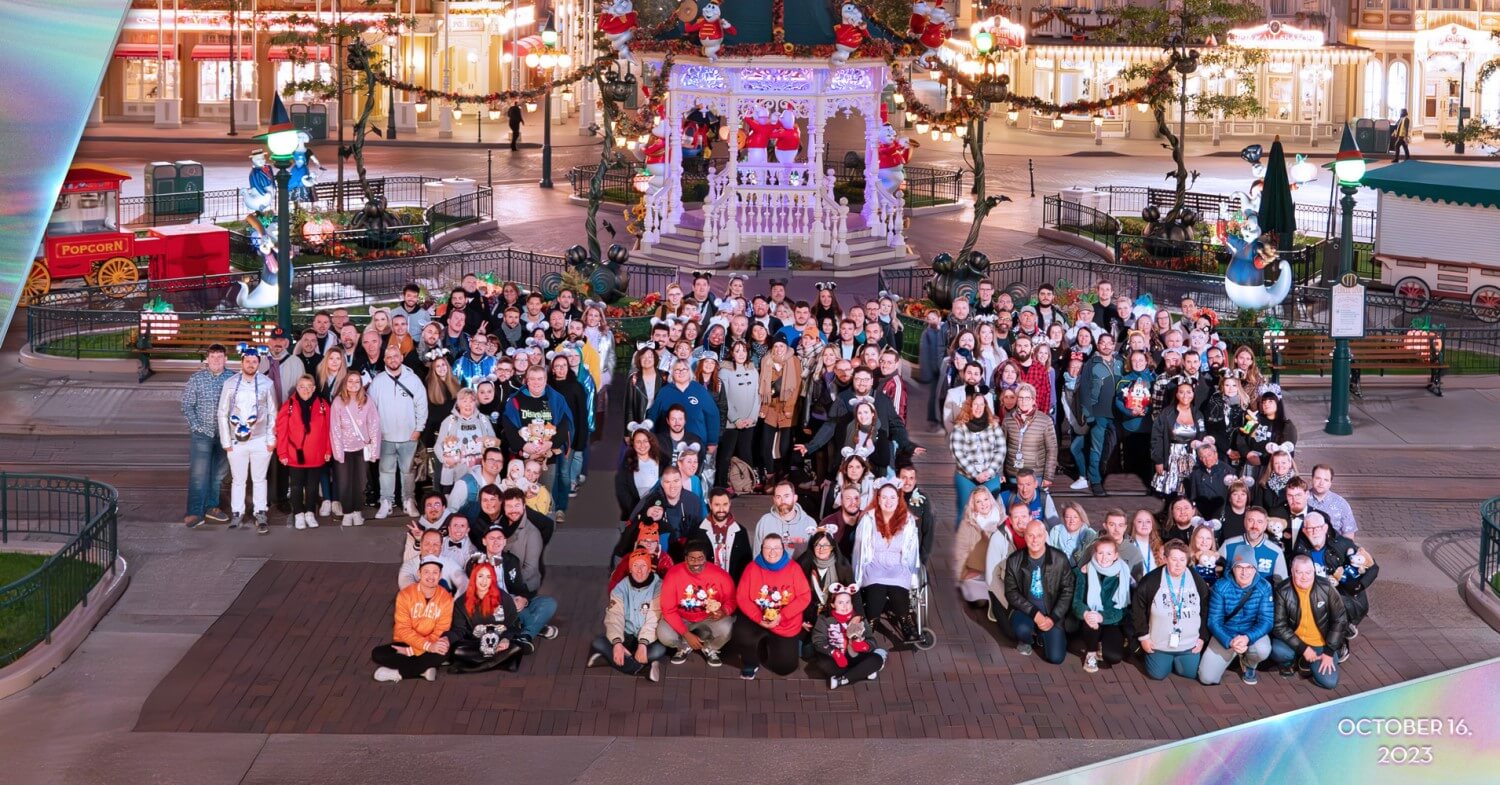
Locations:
925 641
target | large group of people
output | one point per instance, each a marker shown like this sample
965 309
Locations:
1247 561
476 419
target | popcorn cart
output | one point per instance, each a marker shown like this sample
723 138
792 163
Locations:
84 240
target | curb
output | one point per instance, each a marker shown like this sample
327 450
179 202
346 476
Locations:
66 637
1077 241
332 143
1484 604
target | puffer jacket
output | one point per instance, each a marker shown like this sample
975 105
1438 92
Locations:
1097 387
1253 621
1037 450
1328 612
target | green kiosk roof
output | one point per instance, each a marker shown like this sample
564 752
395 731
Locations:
1456 183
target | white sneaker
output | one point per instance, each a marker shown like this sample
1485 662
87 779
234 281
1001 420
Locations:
1080 484
1091 662
338 508
348 520
430 674
410 508
384 511
834 682
299 520
387 674
359 519
312 521
325 508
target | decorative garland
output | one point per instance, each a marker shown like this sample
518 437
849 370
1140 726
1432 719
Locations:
579 74
1077 27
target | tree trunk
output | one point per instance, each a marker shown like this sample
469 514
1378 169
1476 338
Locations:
1181 175
982 204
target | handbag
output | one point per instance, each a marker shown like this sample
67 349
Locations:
369 449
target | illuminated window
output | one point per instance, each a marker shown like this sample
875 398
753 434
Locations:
1372 94
1396 89
214 81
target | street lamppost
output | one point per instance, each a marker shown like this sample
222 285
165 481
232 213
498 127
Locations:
549 63
281 143
1348 169
391 42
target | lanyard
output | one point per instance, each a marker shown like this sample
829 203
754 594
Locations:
1176 594
1020 456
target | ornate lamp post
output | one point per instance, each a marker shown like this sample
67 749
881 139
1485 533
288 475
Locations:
549 64
1348 168
281 143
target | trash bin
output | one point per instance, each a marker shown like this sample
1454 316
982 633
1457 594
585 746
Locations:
311 118
1382 137
161 178
189 188
1364 135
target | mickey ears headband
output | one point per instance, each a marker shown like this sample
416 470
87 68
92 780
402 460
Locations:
857 452
777 282
536 343
688 447
888 482
703 276
988 318
885 295
513 351
1272 388
1212 523
831 529
1286 447
642 346
857 400
1237 374
827 286
258 350
843 588
643 425
432 355
532 327
1198 444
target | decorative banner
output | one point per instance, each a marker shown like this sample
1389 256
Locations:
1441 729
53 60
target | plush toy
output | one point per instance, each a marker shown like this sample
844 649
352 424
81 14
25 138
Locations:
711 29
1137 397
617 23
848 35
452 451
694 138
1277 527
1208 559
539 432
894 152
787 138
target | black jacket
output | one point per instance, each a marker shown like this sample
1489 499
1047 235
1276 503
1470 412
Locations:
1145 594
1209 489
626 496
635 396
1338 551
1161 433
509 570
926 531
739 549
506 623
843 573
1328 612
1057 583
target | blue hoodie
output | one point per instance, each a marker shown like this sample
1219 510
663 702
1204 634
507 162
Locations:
696 401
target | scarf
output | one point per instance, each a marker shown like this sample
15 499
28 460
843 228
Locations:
978 425
824 565
1278 482
1122 584
760 559
989 523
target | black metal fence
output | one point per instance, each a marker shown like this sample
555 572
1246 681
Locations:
925 186
81 515
226 204
1489 544
88 322
1312 219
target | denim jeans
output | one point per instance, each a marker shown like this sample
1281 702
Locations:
964 488
568 468
1079 449
1101 435
1282 654
654 652
538 612
207 465
393 456
1161 664
1054 648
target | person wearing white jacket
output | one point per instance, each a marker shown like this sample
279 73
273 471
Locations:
887 559
401 399
247 430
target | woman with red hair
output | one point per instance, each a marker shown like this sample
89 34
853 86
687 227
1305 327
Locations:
485 625
887 559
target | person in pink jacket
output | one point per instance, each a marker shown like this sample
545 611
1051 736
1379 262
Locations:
354 429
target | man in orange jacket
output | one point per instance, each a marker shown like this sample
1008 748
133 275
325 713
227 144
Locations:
424 612
697 604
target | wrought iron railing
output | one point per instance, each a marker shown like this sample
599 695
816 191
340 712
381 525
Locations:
79 514
90 322
1489 545
925 186
226 204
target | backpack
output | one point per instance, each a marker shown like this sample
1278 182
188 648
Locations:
741 477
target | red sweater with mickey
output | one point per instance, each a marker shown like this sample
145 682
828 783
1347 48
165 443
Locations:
759 587
684 595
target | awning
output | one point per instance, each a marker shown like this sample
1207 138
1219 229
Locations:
525 46
144 51
321 53
1435 182
221 52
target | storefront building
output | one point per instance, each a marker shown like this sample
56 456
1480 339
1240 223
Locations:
1425 54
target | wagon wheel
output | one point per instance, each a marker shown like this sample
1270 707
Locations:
117 277
1020 293
1486 304
38 283
550 285
1413 295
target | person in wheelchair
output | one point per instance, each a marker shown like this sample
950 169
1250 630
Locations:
887 562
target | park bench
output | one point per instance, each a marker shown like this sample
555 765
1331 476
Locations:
1372 353
191 335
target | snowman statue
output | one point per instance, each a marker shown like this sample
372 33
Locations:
848 35
617 22
711 29
934 34
893 152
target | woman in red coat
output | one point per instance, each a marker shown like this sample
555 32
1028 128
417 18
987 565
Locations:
303 445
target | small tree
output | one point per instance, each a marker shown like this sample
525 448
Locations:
1180 28
1480 130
